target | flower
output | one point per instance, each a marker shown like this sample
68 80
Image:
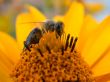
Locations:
93 42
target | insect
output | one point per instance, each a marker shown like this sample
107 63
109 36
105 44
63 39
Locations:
36 34
33 37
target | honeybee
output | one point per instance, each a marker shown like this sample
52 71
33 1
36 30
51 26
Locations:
36 34
33 37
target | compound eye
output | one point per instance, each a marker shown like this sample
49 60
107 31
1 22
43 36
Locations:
59 25
49 25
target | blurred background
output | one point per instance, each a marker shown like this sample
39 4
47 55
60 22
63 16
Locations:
10 8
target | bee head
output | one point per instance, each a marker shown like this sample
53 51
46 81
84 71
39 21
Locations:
49 25
59 27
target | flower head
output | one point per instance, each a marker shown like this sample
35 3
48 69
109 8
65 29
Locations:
52 60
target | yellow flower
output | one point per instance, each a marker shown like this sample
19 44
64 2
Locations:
93 41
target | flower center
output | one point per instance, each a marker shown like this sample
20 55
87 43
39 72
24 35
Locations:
53 59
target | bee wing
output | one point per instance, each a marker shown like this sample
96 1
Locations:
30 14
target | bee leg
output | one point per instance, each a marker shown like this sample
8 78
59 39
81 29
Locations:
57 35
27 47
47 47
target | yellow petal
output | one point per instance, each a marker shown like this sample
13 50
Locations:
5 67
35 13
24 23
102 65
4 76
97 43
5 62
9 54
94 7
9 46
58 18
87 29
103 78
73 19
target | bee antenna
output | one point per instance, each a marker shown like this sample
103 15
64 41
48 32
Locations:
31 22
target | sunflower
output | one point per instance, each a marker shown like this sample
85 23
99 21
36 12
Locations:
93 42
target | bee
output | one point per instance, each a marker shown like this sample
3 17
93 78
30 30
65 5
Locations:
33 37
48 26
